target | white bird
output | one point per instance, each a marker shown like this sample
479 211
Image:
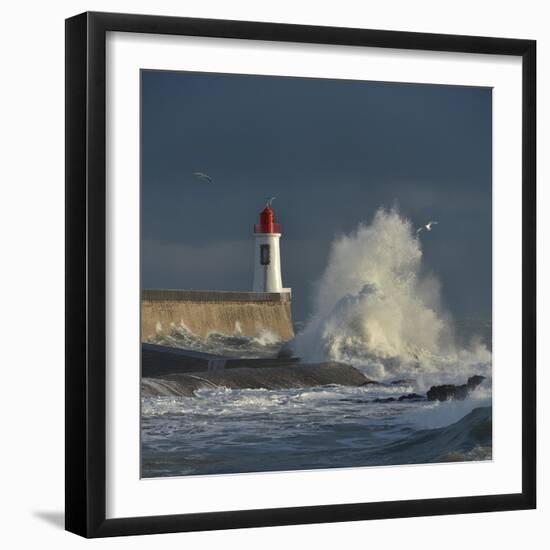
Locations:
203 176
427 227
270 201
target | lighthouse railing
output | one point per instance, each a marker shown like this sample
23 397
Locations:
272 228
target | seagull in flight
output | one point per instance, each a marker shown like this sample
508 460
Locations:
427 227
270 201
203 176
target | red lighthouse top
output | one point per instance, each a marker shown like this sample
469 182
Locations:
267 222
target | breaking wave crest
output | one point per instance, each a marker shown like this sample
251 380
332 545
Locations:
263 344
379 310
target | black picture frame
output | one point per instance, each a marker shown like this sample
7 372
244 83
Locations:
86 285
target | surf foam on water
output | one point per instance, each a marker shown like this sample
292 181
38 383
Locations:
264 344
227 431
377 308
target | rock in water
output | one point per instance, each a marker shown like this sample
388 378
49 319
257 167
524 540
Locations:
452 391
406 397
411 397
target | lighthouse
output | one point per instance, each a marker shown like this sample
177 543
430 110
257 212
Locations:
267 257
267 309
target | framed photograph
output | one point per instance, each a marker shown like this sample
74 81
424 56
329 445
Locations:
300 274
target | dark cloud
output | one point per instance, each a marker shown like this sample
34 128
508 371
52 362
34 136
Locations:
332 152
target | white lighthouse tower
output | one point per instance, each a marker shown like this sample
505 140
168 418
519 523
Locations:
267 257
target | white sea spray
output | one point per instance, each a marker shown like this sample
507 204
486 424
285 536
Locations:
377 308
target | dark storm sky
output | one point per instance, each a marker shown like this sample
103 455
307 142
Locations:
332 152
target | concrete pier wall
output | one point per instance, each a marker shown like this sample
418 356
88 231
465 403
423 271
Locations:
229 313
159 360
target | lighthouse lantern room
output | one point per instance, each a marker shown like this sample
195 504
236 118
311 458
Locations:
267 257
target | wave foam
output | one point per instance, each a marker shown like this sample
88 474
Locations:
264 344
377 309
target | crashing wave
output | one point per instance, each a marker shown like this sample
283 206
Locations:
379 310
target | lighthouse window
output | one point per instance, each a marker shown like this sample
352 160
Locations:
264 254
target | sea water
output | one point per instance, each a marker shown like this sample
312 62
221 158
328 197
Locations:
377 308
231 431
